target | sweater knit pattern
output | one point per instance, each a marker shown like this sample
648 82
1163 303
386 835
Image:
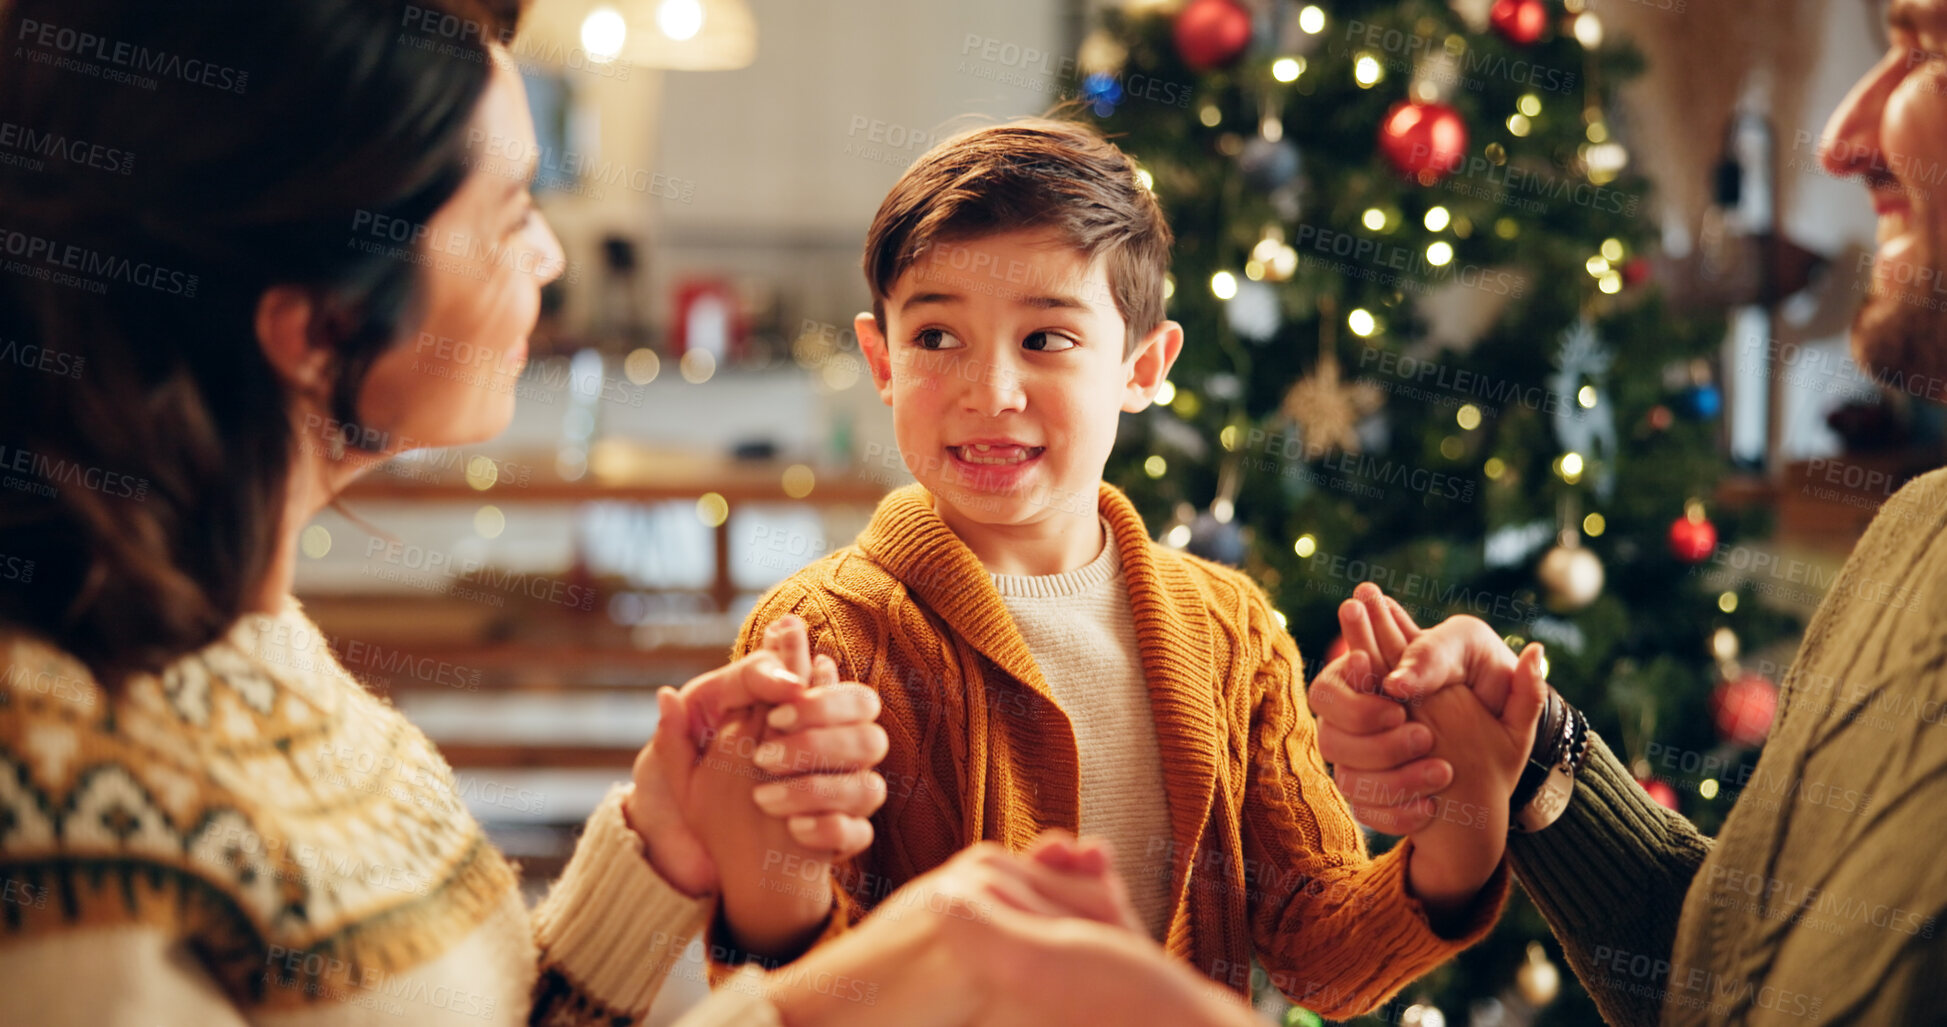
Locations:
1822 898
1263 855
1080 629
300 843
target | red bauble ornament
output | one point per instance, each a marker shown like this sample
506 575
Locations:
1637 271
1521 21
1743 708
1212 33
1661 791
1692 540
1424 141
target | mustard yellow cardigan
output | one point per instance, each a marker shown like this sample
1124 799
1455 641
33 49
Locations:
1265 857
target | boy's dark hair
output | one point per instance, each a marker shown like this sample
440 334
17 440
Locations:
1025 174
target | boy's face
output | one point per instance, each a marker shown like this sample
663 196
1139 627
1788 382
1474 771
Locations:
1002 360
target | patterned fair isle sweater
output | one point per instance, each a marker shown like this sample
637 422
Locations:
252 838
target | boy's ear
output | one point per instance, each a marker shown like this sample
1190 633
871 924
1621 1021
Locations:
1150 365
283 324
878 357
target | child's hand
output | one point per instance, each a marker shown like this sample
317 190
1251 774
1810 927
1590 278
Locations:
1091 861
1381 759
665 804
774 839
1443 769
1463 841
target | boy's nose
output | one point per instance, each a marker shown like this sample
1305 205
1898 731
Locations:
996 390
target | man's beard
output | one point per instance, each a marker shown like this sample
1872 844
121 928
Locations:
1900 332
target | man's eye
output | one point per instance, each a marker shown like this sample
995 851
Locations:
1048 342
935 338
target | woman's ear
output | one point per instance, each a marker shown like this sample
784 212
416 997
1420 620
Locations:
1150 365
284 330
872 343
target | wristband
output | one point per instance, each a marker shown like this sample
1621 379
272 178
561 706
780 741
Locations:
1546 752
1555 782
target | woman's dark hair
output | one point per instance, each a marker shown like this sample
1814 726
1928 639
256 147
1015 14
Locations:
161 166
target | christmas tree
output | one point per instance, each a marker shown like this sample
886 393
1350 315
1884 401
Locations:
1423 350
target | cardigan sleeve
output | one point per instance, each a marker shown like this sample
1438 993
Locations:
1616 866
1337 930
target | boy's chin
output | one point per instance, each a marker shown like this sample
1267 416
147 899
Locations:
1011 507
995 508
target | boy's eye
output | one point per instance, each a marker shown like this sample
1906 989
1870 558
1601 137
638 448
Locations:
935 338
1047 342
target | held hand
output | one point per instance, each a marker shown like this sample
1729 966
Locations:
1383 760
1376 624
820 752
661 806
995 937
774 840
1457 651
1488 752
1375 751
1098 892
658 806
1456 852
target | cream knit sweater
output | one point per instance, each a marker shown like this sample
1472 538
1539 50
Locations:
1082 632
252 838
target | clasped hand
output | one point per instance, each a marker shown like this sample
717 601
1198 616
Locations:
771 750
1401 740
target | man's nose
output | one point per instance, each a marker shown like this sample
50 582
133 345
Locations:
1850 145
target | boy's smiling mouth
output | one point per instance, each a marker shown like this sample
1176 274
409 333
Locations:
988 454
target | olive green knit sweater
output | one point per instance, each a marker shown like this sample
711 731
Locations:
1820 900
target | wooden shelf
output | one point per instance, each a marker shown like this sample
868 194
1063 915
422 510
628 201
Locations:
616 471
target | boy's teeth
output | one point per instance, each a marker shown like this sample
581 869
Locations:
980 454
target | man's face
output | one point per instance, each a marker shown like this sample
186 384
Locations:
1892 132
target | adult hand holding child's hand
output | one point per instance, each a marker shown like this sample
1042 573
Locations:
995 937
775 837
1441 767
1376 705
831 735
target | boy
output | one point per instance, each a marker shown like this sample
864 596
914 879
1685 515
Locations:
1042 663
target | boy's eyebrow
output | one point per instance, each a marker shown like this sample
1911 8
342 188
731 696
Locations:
1055 301
1052 301
919 298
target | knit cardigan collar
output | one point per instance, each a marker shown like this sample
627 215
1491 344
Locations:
1174 633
